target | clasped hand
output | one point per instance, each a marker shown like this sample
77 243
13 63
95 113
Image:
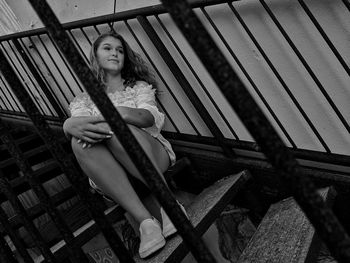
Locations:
87 130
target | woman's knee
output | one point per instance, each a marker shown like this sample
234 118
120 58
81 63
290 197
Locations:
137 133
79 151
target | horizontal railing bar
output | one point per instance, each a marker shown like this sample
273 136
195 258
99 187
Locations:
125 15
23 114
331 158
261 167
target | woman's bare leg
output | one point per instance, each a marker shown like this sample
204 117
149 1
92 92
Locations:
99 164
154 150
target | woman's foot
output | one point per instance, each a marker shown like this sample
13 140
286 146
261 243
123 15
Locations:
168 227
151 237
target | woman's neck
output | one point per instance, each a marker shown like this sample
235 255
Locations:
114 83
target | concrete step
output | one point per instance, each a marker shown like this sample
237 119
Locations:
206 207
285 235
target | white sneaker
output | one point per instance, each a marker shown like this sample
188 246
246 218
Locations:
151 237
168 227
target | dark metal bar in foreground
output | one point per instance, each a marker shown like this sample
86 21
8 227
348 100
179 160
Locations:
122 131
79 182
253 118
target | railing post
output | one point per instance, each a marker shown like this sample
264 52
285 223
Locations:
61 114
185 85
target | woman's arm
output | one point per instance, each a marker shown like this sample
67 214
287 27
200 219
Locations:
139 117
65 129
86 129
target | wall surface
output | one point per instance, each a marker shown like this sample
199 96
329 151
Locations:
8 20
71 10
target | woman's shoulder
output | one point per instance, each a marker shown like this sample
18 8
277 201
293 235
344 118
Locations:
83 96
142 84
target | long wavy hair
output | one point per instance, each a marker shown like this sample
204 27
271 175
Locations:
135 68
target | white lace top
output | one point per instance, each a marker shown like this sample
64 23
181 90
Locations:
139 96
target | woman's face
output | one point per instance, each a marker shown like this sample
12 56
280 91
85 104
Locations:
110 55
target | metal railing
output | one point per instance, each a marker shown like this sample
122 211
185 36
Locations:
233 89
49 72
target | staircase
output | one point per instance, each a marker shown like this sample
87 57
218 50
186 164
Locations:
276 238
203 211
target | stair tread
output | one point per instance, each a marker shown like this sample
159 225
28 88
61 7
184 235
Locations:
285 234
202 213
28 154
113 212
49 166
22 140
60 248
